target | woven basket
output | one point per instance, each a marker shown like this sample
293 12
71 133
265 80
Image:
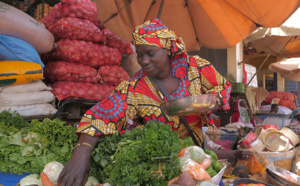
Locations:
281 159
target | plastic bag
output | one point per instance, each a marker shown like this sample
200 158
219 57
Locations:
256 164
14 49
193 168
194 152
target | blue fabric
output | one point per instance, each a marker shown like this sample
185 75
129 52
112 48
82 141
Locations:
221 183
14 49
294 113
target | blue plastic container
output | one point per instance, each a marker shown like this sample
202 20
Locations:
11 179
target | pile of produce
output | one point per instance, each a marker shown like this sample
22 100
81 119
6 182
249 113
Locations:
28 147
85 53
142 156
286 99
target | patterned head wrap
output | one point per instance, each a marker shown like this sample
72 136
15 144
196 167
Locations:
154 32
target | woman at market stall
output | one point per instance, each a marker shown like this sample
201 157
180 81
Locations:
243 114
162 55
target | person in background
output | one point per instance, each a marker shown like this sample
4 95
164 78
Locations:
243 114
295 117
162 56
274 108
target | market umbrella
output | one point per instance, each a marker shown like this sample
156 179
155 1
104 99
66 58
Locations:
282 41
288 68
212 23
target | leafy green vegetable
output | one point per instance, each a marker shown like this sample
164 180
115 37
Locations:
212 154
13 119
31 147
143 156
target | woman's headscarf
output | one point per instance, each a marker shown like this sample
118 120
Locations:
154 32
243 113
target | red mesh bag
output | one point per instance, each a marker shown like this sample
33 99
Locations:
281 95
74 90
115 41
82 9
65 71
88 53
113 75
74 28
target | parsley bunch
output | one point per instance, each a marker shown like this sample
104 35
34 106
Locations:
143 156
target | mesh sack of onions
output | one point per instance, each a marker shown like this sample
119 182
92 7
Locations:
82 9
65 71
113 75
115 41
74 28
74 90
92 54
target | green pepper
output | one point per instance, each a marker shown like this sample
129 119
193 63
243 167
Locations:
212 154
217 166
211 171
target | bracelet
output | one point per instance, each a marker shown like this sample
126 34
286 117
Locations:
86 144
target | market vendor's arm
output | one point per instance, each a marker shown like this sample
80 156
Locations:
233 154
106 117
79 164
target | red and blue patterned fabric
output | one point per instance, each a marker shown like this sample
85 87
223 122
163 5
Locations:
138 98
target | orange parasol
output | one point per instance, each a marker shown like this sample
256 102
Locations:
288 68
282 41
212 23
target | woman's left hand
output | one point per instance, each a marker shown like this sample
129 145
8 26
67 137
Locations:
243 154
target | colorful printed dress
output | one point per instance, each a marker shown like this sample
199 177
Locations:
138 97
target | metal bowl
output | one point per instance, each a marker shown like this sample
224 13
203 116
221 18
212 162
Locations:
277 172
190 105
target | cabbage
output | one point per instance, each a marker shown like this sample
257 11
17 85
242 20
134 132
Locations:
92 181
52 170
32 179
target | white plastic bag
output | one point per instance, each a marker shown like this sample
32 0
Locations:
26 98
35 86
45 109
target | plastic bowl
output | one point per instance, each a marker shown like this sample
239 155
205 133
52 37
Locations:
190 105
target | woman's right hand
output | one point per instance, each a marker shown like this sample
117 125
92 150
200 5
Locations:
76 171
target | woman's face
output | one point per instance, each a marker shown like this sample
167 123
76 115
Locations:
154 60
243 104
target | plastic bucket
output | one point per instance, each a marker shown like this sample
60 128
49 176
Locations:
276 141
293 137
250 137
11 179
